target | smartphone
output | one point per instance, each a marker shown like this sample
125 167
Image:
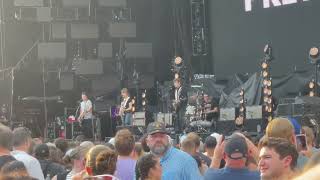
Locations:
301 142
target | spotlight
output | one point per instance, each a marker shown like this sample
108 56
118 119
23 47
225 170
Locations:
264 65
269 83
269 92
241 101
311 84
265 90
176 76
265 82
241 109
144 103
314 55
241 92
267 50
311 94
143 95
265 99
265 74
178 60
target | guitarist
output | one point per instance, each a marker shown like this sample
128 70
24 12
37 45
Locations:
126 108
179 104
86 116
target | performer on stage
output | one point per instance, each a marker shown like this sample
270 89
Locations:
179 105
86 117
211 110
126 108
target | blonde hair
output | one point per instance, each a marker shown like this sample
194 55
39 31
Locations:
280 128
309 134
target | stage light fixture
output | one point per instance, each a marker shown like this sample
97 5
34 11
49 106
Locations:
269 92
311 94
241 101
143 95
144 103
178 60
269 83
265 82
176 76
311 84
265 90
241 109
314 54
265 74
241 92
264 65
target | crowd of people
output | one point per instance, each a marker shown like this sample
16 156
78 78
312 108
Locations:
277 155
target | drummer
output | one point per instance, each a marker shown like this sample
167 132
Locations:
211 108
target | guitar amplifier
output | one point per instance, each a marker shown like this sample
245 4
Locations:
227 114
139 119
165 118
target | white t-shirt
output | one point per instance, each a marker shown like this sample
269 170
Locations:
85 106
32 164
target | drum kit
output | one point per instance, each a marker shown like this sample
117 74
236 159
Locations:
196 113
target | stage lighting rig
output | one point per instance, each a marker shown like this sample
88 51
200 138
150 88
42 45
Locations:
312 88
144 100
314 56
178 68
267 83
239 121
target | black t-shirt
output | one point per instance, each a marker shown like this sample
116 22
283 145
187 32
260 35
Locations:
5 159
204 158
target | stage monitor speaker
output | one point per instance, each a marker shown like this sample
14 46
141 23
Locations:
29 3
76 3
123 30
52 51
84 31
66 81
139 119
59 31
138 50
227 114
254 112
105 50
112 3
44 14
90 67
166 118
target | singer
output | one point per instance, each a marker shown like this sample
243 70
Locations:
86 116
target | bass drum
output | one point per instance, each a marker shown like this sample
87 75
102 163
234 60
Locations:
190 110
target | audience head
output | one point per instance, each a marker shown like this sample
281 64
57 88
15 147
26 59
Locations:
149 166
195 138
106 162
210 143
14 169
22 139
124 142
144 144
189 146
41 151
138 151
55 154
61 144
278 157
6 138
235 151
157 139
91 159
281 128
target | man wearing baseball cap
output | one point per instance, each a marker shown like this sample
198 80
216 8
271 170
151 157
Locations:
235 153
175 163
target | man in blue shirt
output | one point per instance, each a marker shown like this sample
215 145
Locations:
235 154
176 165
